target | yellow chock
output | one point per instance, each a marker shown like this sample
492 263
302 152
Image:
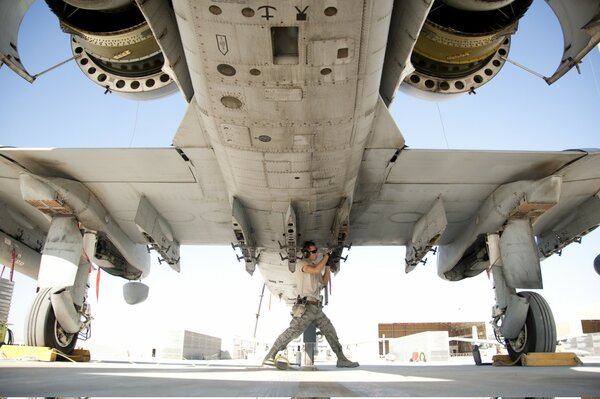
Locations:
18 352
41 354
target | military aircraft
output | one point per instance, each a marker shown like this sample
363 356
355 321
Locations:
288 137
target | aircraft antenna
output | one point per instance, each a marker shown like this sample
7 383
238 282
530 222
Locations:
594 75
442 122
137 109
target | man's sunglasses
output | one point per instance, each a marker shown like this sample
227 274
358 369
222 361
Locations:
314 251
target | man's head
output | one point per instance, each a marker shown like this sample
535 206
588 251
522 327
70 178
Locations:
309 250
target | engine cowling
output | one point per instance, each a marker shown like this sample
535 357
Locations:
115 47
477 5
461 49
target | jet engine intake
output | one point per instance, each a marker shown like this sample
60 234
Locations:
461 49
115 47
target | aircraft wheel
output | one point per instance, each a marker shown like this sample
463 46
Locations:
42 328
538 333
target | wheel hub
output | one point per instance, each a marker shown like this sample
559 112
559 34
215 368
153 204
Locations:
518 344
62 338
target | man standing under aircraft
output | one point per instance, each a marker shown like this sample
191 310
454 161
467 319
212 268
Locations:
308 307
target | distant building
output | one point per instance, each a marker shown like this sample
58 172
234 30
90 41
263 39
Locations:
454 329
590 343
590 326
183 344
429 346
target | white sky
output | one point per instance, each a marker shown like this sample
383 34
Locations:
213 294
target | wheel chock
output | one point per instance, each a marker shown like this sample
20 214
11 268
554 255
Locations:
539 359
41 354
502 360
17 352
80 355
550 359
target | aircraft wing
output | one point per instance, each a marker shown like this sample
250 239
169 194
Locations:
395 190
192 198
425 198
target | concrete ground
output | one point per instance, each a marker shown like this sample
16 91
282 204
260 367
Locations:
238 378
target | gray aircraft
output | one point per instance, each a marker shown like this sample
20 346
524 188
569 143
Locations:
288 137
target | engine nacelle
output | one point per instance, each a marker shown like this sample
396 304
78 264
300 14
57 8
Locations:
115 47
477 5
461 49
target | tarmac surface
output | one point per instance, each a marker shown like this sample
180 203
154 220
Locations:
231 378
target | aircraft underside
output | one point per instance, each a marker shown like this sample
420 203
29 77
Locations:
287 138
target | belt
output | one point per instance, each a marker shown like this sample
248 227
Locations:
307 301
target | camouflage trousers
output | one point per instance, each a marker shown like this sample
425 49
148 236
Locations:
313 314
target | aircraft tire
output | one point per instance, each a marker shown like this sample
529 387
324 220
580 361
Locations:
538 333
42 329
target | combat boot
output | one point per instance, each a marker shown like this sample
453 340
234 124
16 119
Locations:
270 358
344 362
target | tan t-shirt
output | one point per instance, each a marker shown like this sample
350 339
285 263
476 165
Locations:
309 284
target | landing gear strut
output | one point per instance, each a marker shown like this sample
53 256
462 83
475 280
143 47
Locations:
523 320
60 309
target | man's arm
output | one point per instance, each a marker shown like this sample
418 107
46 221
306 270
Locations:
318 268
326 277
